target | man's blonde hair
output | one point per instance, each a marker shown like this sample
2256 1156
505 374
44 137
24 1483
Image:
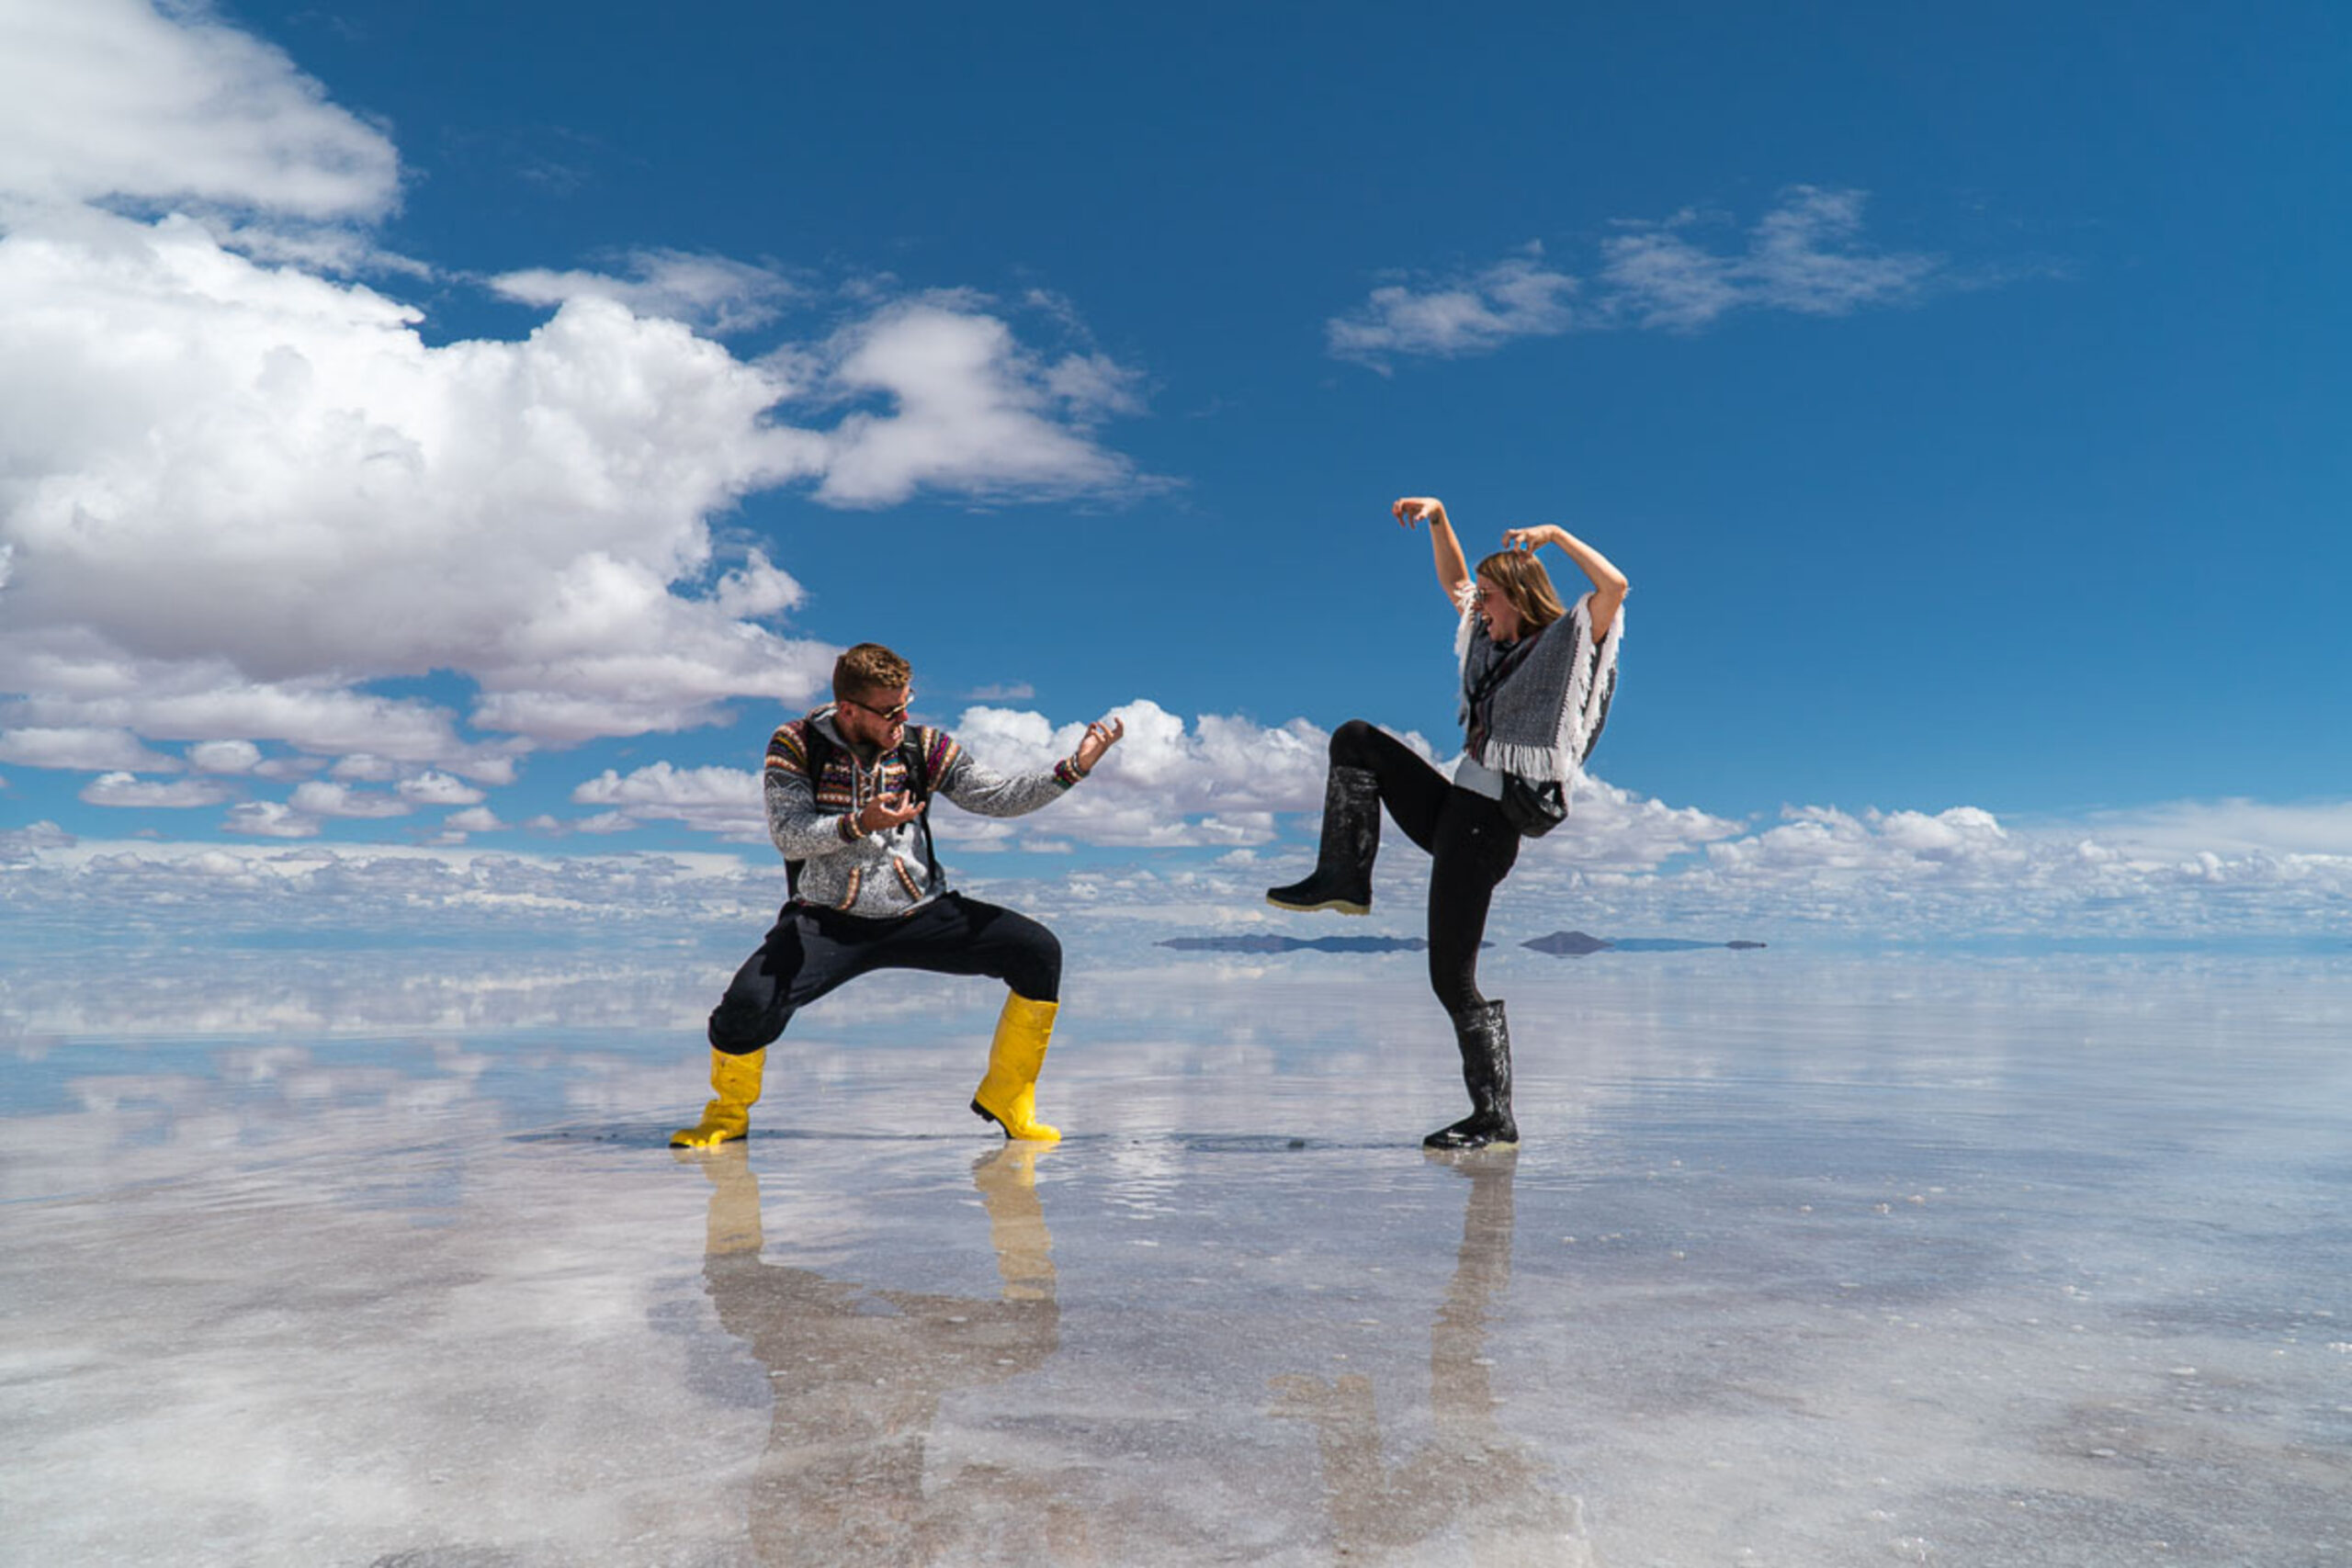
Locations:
1526 584
869 667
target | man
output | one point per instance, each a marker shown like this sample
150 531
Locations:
849 792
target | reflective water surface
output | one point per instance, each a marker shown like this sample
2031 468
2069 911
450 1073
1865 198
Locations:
1801 1263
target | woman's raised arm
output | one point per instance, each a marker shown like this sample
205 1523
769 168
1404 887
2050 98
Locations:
1608 585
1453 570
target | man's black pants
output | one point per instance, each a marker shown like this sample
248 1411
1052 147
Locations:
810 951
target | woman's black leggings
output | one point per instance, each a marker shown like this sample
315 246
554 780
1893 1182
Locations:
1472 847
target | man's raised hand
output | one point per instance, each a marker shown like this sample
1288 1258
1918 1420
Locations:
1100 736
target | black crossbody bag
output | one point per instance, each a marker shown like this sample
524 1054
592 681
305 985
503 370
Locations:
1534 808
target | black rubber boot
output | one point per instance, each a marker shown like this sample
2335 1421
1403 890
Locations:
1342 879
1485 1040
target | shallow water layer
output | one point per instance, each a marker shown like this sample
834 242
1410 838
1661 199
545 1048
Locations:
1807 1264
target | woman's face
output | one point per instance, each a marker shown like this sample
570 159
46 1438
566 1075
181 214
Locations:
1496 611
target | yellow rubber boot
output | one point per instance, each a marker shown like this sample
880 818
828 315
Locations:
736 1080
1008 1095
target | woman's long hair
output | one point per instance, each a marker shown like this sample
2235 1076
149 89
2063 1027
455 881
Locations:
1526 584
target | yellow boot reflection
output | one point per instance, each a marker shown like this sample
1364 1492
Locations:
1025 1249
858 1376
1472 1476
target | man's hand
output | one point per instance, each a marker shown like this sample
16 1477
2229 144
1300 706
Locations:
1100 736
884 812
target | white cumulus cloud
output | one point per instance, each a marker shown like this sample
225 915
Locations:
1218 780
219 468
238 488
2228 827
127 790
270 819
224 756
434 788
969 409
1804 256
716 294
320 798
222 482
103 98
724 801
1517 297
82 747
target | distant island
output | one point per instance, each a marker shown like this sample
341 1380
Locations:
1578 944
1570 945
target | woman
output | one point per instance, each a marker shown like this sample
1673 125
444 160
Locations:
1536 681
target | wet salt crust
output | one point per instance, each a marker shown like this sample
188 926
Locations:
1811 1264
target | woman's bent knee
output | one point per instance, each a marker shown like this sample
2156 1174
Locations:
1351 743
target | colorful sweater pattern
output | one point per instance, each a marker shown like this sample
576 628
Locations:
886 875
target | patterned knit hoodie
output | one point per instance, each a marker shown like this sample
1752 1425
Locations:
879 876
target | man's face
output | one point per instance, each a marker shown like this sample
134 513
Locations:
875 719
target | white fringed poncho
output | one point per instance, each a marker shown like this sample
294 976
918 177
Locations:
1542 719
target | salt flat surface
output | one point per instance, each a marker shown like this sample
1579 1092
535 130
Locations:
381 1260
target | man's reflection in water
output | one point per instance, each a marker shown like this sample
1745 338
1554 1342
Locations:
858 1376
1472 1475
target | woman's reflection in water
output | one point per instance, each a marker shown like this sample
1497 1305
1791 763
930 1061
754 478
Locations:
1472 1476
859 1374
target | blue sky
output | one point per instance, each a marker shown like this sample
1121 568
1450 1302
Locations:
467 430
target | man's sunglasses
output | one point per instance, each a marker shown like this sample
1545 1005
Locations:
888 715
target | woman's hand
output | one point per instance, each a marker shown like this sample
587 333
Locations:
1413 509
1100 736
1609 585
